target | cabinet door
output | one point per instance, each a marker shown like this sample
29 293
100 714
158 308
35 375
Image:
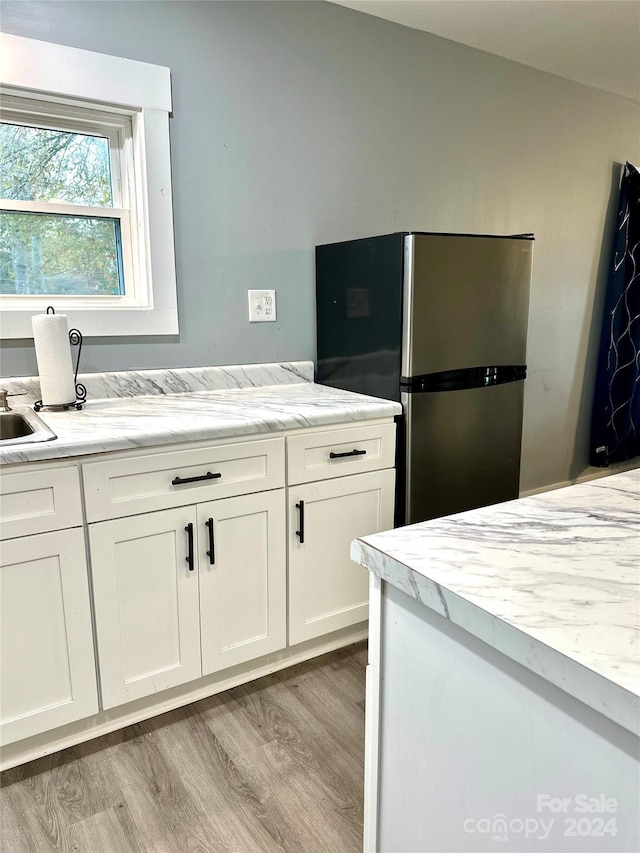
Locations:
46 643
242 578
146 604
327 590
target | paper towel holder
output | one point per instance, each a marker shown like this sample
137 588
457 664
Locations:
75 339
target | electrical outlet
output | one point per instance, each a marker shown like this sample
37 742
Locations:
262 306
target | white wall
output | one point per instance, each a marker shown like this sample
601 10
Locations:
297 123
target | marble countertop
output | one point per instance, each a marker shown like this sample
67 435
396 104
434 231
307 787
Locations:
226 402
552 581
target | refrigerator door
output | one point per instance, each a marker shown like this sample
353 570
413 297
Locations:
462 449
466 302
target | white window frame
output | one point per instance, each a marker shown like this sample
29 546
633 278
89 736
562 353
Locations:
132 101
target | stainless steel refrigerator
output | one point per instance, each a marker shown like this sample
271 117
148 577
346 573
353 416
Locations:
438 322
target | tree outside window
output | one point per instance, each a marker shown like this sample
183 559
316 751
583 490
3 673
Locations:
54 253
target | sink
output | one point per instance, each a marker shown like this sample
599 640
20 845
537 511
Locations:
14 426
21 427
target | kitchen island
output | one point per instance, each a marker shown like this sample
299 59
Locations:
503 686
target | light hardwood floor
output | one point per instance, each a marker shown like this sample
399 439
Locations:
274 765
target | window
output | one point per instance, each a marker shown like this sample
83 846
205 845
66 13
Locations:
85 194
65 221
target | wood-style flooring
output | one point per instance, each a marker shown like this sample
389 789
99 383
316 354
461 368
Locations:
274 765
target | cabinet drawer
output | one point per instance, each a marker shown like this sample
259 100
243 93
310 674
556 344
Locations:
116 488
336 453
39 501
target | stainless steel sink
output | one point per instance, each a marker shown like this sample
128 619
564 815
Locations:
22 426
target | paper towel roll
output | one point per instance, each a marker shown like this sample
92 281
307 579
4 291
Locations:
53 354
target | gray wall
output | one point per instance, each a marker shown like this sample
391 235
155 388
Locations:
302 123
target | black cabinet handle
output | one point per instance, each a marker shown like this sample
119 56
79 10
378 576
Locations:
333 455
211 553
189 529
178 481
300 533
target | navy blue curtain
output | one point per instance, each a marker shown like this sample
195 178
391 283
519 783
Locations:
615 424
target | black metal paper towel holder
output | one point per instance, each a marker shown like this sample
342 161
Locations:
75 339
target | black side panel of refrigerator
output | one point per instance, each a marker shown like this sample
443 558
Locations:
359 315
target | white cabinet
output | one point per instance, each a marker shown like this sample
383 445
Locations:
146 604
327 591
186 592
197 572
242 570
165 618
46 642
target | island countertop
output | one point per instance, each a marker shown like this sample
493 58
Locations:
151 408
552 581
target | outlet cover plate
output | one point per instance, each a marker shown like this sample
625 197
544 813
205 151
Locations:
262 306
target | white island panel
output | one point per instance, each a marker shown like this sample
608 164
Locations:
503 705
552 581
479 754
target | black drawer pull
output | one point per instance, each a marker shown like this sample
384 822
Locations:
211 553
333 455
300 533
189 529
179 481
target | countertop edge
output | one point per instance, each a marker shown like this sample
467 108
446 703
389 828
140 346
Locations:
269 424
593 689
